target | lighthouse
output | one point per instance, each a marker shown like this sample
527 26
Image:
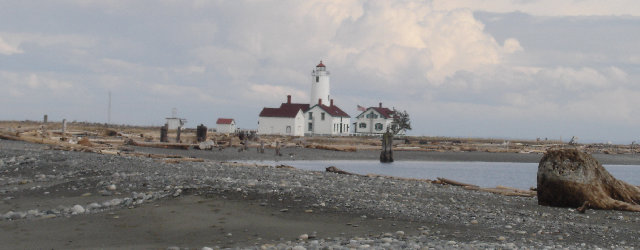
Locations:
320 85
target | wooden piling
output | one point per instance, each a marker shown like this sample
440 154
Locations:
178 134
201 133
387 143
163 133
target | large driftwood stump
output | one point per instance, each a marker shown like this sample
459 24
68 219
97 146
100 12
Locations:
570 178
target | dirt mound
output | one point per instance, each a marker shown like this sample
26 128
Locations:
570 178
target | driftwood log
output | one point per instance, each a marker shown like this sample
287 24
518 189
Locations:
570 178
336 170
455 183
158 144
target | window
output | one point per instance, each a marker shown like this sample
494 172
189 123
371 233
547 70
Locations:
310 126
322 116
362 125
288 129
372 115
378 126
317 78
310 116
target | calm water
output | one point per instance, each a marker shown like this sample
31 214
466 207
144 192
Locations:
484 174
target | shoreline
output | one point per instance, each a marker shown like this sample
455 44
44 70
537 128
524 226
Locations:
298 153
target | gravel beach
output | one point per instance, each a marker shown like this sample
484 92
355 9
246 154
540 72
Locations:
73 200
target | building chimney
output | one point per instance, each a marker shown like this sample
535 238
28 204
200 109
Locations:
380 105
288 99
320 101
331 105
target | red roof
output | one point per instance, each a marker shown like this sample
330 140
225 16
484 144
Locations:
333 110
320 65
224 121
285 110
385 112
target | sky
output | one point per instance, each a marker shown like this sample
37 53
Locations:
514 69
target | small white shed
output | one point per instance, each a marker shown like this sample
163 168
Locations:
175 122
226 125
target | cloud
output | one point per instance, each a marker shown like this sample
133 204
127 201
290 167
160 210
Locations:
7 49
543 7
275 94
393 37
34 82
182 92
512 45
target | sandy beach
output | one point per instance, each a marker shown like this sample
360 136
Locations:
57 199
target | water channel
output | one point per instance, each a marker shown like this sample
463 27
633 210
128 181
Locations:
484 174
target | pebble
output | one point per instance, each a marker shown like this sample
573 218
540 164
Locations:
111 187
93 206
177 192
105 193
303 237
48 216
77 209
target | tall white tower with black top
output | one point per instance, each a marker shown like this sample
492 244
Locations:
320 85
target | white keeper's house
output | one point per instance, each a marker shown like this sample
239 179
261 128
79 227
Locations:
288 119
327 120
374 120
298 119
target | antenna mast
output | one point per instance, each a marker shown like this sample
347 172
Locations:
109 110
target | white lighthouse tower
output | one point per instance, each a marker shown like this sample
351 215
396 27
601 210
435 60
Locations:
320 85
